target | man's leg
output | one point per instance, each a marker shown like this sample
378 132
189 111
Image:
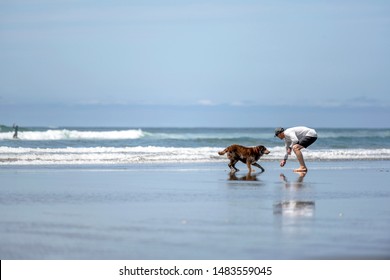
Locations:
297 150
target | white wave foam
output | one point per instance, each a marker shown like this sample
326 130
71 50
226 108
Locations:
65 134
104 155
153 154
348 154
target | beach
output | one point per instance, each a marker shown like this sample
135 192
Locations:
191 211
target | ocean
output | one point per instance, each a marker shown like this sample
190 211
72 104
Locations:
111 145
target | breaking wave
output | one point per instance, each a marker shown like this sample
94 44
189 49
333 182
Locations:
66 134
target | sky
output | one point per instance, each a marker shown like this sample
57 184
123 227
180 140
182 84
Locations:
195 63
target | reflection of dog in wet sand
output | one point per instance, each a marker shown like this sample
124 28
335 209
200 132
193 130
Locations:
247 177
247 155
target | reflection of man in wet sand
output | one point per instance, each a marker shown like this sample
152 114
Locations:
295 208
297 184
16 131
296 138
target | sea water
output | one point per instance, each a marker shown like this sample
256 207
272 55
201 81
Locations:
111 145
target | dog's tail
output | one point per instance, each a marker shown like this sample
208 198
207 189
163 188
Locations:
223 152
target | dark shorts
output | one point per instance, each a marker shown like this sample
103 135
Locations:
307 141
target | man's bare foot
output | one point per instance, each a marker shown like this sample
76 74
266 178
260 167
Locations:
301 169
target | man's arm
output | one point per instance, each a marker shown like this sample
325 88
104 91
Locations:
288 152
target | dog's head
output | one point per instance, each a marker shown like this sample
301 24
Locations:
263 150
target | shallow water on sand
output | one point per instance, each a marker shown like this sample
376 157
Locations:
196 211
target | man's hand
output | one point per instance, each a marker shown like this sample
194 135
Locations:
282 163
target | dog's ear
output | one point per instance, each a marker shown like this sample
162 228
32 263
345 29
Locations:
262 148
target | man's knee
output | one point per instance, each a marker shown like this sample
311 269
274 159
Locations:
297 147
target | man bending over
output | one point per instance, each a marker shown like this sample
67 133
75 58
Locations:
296 138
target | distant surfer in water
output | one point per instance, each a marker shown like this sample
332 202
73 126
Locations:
16 131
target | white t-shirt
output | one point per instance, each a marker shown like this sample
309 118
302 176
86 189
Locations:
294 134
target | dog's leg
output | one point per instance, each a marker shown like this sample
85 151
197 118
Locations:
248 163
259 166
232 165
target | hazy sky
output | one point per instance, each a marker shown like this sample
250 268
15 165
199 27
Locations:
192 63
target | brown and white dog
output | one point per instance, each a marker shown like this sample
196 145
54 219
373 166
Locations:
247 155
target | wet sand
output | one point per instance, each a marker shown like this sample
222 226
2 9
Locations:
338 210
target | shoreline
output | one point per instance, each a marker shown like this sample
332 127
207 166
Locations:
217 164
338 210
